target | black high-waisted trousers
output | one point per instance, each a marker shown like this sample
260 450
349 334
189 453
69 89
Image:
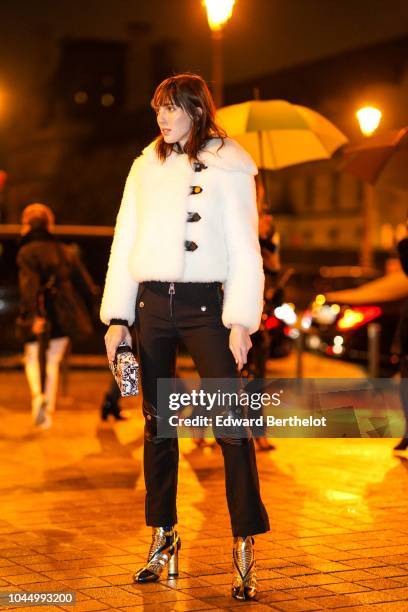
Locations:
193 315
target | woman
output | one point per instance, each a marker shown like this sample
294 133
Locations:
187 224
46 267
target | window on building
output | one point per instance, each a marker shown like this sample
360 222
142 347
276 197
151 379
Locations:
90 78
335 190
280 196
360 194
307 236
333 234
358 232
310 192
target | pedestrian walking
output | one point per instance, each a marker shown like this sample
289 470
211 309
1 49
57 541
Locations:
111 404
56 295
187 226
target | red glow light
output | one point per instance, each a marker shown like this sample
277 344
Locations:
272 322
352 318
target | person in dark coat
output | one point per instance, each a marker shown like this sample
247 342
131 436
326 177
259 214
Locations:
258 355
56 297
403 340
111 404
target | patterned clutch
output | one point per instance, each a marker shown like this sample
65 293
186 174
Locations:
125 369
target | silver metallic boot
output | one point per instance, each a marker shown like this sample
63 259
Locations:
244 583
163 551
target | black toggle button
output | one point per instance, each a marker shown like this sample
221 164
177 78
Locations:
198 166
189 245
193 216
195 189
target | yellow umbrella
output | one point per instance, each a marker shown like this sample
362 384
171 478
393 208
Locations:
279 134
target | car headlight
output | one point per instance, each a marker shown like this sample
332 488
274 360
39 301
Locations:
286 314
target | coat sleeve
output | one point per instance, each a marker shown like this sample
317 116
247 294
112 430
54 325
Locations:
119 295
29 283
244 287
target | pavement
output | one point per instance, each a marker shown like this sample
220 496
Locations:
72 512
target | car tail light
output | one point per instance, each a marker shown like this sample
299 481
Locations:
352 318
272 322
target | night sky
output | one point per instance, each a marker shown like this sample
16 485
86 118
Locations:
263 35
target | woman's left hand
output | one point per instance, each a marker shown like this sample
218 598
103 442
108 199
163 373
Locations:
39 325
239 343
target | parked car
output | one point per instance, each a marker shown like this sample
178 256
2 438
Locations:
93 244
309 280
337 321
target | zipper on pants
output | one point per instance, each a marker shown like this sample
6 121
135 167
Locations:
172 291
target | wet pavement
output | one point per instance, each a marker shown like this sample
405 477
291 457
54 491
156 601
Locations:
72 513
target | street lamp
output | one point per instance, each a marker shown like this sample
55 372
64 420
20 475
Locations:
369 119
218 13
3 179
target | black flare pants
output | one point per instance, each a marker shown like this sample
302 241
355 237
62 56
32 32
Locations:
192 314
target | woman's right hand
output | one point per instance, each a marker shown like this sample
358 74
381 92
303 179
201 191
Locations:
115 335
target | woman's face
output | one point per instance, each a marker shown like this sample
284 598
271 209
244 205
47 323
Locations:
174 123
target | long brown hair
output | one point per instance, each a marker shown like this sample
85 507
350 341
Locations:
188 91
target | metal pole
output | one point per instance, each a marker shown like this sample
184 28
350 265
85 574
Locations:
217 67
368 217
373 336
300 345
3 178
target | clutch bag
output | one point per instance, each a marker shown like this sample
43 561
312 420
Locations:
125 370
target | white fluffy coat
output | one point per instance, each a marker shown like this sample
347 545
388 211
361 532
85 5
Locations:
152 226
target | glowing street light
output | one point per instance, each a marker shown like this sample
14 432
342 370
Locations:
369 119
218 13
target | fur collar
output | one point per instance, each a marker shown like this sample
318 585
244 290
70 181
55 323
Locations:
231 156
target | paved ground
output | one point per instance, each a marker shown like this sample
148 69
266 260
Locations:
72 514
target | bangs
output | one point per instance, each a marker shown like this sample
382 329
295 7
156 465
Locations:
165 94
